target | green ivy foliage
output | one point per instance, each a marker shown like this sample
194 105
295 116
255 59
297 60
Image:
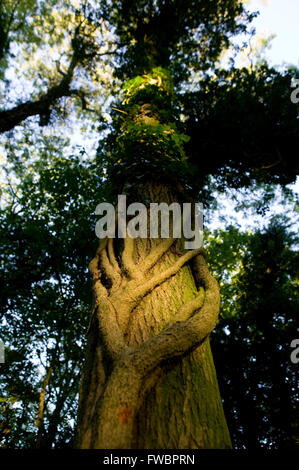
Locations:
150 138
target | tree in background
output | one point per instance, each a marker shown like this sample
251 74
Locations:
252 339
46 242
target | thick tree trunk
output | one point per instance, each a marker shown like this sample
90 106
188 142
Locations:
149 379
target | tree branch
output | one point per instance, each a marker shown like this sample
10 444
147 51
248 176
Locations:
41 106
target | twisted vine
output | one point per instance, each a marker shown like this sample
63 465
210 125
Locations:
127 283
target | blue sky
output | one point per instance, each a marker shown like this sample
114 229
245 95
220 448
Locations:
279 17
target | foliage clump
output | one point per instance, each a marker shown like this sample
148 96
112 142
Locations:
150 137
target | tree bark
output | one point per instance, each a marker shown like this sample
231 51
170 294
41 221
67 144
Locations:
40 442
149 379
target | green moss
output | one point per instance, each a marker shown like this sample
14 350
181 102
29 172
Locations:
159 81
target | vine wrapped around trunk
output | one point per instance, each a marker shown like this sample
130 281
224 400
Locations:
149 379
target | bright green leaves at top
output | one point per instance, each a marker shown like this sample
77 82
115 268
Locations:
159 78
149 96
150 137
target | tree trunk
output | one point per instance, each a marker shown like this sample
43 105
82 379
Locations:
149 379
41 440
